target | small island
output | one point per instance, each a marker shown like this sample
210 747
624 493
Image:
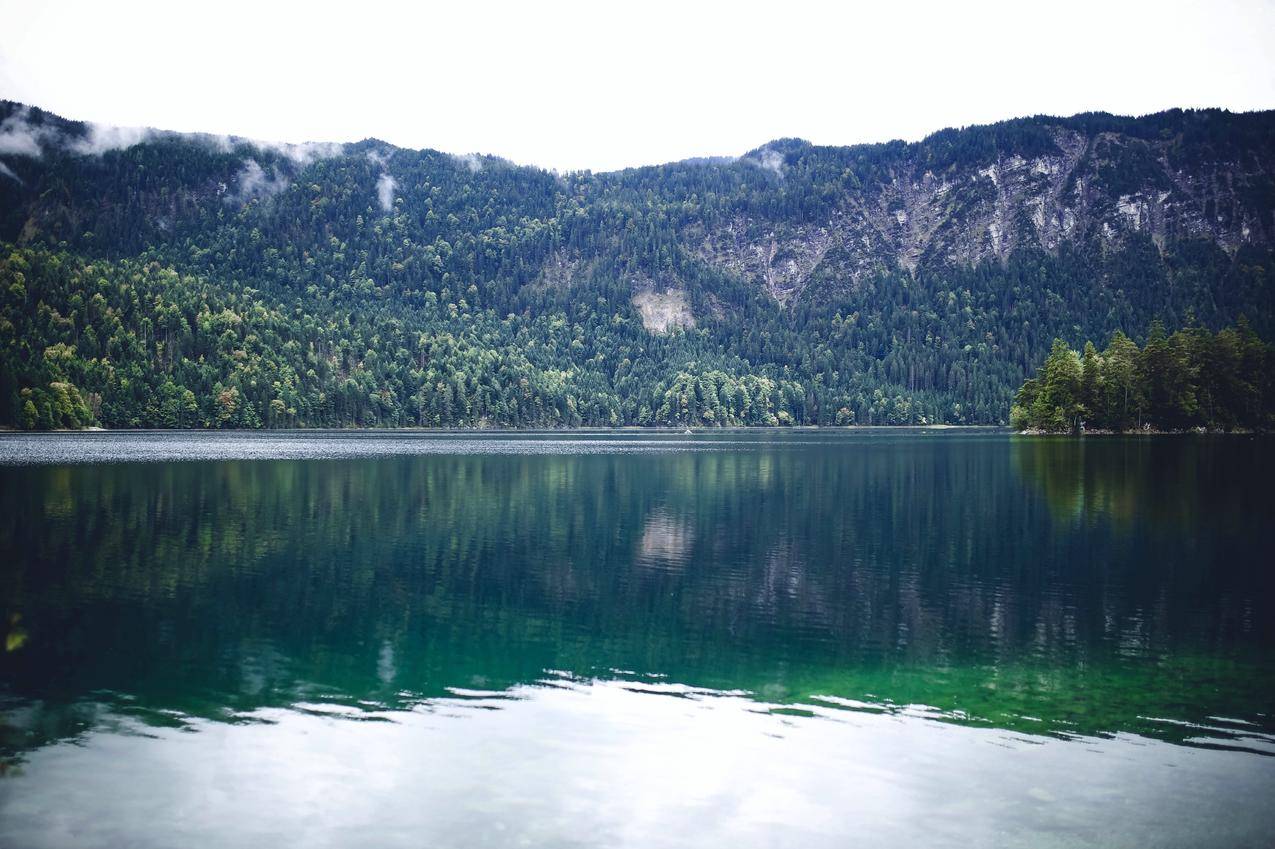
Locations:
1192 380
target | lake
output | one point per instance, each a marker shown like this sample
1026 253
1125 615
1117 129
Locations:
810 638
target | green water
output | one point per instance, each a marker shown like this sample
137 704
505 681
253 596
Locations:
899 637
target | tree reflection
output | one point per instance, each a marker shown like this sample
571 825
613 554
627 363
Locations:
911 572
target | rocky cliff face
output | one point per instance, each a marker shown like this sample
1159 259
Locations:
1102 189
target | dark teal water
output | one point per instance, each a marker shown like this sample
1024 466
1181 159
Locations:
933 638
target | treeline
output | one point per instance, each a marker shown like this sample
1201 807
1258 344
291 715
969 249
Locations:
139 343
1190 379
127 344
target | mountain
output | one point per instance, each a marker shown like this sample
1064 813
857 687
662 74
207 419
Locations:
154 278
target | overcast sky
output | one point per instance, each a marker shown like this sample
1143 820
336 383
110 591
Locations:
605 85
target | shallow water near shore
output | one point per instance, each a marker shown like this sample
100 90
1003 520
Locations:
904 637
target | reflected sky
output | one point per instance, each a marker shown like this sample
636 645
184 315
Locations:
590 763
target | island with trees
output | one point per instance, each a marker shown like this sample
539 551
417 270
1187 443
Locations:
1191 380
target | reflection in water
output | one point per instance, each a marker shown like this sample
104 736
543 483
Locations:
666 542
1171 480
1054 588
895 570
610 763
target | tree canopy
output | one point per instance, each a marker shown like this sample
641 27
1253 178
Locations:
1190 379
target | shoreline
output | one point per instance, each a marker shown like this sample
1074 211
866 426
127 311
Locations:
1200 431
671 429
9 432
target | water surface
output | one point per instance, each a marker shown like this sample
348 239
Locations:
938 638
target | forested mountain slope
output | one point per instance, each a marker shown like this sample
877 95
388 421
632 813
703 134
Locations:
161 279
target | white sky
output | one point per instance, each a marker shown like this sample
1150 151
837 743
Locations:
605 85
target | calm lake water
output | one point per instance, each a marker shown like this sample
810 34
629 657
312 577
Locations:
880 638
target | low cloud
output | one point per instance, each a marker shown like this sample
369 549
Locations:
768 159
8 172
472 161
385 191
304 153
19 136
300 154
103 137
255 183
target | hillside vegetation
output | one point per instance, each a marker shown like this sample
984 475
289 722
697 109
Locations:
152 279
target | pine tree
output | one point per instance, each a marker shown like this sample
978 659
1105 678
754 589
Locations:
1092 397
1057 407
1125 399
1165 373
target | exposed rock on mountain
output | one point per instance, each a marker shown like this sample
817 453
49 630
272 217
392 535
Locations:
1099 188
